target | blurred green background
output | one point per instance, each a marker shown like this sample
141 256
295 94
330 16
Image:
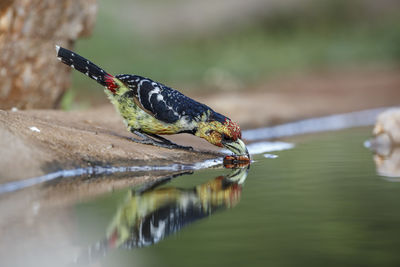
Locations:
232 44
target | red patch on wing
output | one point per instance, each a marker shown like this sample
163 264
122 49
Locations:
234 129
111 85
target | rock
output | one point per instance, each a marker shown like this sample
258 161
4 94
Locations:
386 144
388 124
30 73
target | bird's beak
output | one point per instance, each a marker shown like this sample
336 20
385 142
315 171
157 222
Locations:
237 147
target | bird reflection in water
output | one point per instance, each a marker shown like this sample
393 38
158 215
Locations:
148 216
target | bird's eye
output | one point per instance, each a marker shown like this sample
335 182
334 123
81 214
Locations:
225 137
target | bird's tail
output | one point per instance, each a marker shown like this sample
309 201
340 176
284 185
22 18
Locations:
86 67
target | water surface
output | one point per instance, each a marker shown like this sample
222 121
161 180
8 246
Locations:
319 203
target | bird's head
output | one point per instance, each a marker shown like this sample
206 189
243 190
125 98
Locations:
223 132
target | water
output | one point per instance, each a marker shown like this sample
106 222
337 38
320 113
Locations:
319 203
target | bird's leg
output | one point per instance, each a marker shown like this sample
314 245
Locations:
169 142
146 139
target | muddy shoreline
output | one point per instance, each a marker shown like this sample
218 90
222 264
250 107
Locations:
36 142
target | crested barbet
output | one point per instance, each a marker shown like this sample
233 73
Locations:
150 109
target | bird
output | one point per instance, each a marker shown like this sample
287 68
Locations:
150 109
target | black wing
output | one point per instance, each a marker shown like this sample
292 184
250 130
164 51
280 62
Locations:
163 102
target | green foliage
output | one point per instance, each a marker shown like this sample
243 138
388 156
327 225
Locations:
67 100
335 36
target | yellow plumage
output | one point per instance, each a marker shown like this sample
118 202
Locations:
135 117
